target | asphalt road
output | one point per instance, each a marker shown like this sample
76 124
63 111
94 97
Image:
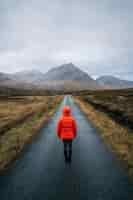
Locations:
42 174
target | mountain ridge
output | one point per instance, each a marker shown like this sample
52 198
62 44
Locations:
66 75
66 72
63 77
113 82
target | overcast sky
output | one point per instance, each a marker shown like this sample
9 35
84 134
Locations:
95 35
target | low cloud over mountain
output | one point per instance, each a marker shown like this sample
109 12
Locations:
65 77
114 83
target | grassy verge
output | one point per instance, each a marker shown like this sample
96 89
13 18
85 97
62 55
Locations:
117 104
13 141
16 110
119 138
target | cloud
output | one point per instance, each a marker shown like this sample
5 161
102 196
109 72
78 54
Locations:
95 35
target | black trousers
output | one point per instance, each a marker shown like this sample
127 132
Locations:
67 149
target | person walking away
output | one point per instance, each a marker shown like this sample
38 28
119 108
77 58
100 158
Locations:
67 131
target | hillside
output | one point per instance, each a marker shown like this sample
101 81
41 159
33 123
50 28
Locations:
67 72
4 77
28 76
114 83
68 77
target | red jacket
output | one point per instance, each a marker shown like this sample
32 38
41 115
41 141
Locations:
66 126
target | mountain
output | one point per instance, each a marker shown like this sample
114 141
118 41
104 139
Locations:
29 76
68 77
66 72
4 77
112 82
14 81
65 77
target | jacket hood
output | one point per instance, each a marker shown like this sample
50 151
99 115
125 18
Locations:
66 110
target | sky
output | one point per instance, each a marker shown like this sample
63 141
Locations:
95 35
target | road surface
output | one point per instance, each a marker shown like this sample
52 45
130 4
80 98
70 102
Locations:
42 174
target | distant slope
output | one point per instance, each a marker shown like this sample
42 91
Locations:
13 82
113 82
65 77
67 85
67 72
29 76
4 77
6 80
68 77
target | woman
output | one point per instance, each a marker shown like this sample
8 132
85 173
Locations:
67 131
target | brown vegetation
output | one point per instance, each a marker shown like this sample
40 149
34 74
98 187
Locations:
118 104
118 137
20 119
15 110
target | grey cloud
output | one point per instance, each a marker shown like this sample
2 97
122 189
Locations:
95 35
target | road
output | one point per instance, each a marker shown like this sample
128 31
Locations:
42 174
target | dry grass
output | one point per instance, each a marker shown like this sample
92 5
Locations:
118 104
17 109
119 138
23 117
